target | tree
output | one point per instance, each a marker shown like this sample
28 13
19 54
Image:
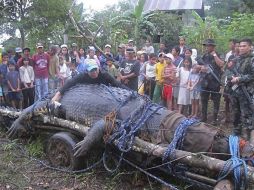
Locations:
32 17
226 8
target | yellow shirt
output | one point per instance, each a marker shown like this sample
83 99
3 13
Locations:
159 70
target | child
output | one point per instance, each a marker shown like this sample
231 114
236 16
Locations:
194 87
73 71
169 76
149 74
184 93
112 70
62 71
13 82
159 80
27 79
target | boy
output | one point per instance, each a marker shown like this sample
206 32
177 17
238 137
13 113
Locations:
13 82
112 70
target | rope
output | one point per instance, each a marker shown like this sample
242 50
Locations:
126 132
179 135
234 164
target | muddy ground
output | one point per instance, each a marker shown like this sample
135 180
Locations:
20 170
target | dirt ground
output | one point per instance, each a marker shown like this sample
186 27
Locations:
18 170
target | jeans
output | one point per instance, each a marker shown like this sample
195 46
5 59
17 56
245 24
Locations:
53 84
41 87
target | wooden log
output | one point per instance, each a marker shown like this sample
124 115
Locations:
197 160
190 159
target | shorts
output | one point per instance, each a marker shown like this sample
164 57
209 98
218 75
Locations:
167 92
195 95
15 96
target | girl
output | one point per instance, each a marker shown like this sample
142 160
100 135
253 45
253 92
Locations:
63 70
183 75
194 87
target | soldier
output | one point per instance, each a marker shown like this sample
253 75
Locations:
243 89
211 71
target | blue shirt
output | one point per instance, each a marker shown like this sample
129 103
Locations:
13 77
3 72
81 68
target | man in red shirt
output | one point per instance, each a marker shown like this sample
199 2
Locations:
41 70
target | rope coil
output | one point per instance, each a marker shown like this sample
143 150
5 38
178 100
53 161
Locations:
234 164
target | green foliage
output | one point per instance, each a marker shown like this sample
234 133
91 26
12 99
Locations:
222 9
35 148
202 30
37 20
240 26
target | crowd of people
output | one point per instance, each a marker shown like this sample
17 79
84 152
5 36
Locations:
178 79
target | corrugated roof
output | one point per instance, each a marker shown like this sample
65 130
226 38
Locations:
152 5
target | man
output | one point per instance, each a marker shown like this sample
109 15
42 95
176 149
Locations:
162 49
3 73
211 71
131 45
53 69
129 70
121 53
103 59
17 56
26 54
232 43
182 46
148 48
243 86
41 71
230 62
93 76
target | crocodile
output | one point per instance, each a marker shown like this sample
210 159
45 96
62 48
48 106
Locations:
89 104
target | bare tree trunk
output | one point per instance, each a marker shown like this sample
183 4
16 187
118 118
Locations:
22 35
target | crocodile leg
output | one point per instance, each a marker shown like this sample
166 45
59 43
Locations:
93 137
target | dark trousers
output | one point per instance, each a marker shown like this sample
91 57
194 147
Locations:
28 97
215 97
149 86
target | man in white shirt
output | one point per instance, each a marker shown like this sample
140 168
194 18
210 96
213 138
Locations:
148 48
231 45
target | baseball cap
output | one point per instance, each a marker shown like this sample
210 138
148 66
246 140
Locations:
74 45
64 46
130 41
39 45
169 55
18 50
107 45
121 46
92 66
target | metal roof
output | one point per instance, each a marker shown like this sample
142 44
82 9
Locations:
152 5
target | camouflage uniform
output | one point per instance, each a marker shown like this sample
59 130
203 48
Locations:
243 114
